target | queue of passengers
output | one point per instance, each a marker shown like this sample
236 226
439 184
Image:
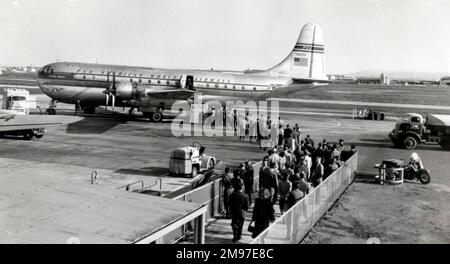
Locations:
286 176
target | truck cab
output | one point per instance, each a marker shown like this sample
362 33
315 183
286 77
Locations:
409 131
17 103
413 129
18 100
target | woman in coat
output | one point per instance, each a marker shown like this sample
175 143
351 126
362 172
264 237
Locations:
263 212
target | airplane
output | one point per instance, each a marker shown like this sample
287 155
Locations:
153 90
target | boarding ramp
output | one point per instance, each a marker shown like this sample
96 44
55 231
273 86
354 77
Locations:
210 196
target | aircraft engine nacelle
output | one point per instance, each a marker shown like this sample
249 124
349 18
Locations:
126 91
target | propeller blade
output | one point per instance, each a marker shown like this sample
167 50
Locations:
114 83
107 80
113 101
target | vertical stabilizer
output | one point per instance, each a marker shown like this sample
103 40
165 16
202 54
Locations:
306 62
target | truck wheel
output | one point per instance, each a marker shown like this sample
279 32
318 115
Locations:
156 117
194 172
410 143
38 136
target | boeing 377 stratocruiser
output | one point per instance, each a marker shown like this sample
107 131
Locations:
152 90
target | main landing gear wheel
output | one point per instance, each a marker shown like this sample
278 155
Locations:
50 111
89 109
156 117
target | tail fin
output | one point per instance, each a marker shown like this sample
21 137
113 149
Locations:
306 62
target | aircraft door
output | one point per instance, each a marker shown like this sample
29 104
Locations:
187 82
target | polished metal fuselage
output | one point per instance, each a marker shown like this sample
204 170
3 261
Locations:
84 83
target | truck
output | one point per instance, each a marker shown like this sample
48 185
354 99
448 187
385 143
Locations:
413 130
18 100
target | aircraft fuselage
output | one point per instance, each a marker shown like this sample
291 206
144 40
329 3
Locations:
84 83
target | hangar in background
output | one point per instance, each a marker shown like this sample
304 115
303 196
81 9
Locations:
445 81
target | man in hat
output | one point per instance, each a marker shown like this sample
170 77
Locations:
318 172
238 207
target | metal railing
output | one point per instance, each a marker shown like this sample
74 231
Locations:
296 223
212 194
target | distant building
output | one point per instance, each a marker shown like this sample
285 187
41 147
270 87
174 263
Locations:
384 79
369 80
29 69
445 81
339 78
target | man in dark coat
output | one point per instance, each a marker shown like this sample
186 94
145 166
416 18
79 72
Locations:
287 135
238 207
268 179
227 179
263 212
248 178
309 140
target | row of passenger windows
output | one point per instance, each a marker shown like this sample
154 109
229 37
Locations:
149 81
159 76
93 77
174 77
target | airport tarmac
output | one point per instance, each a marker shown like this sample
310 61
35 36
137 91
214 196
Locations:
123 150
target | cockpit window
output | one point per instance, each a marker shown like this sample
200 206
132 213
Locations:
46 70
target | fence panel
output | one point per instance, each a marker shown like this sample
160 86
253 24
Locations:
293 225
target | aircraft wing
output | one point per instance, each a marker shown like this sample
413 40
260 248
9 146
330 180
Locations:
11 121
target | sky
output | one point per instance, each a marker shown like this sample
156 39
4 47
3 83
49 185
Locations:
395 35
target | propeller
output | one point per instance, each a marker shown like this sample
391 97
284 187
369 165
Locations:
110 89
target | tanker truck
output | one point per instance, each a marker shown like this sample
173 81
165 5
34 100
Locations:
413 130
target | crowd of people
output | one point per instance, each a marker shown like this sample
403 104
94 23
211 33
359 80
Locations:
287 174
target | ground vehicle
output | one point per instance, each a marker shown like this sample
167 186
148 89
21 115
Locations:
18 100
26 134
390 170
190 161
413 129
422 175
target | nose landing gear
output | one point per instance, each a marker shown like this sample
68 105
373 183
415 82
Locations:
51 108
